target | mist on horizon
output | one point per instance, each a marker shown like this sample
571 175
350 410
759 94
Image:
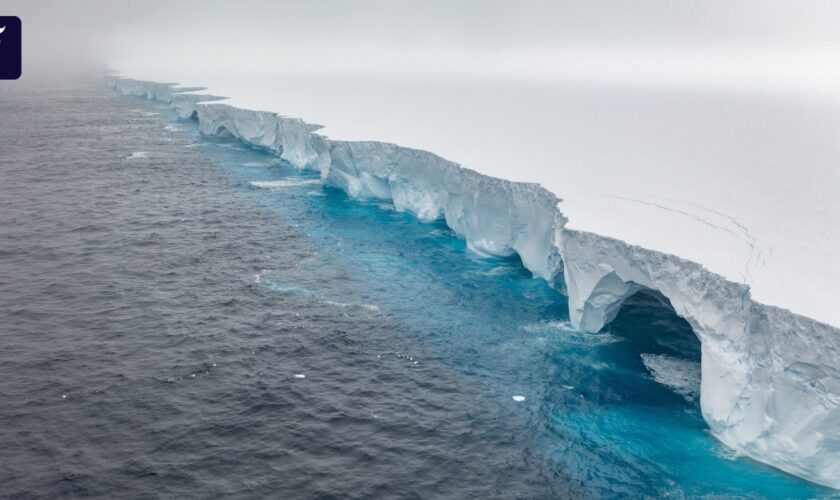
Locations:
751 44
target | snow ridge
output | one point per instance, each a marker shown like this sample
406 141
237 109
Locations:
770 379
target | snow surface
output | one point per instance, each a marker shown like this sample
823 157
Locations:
748 185
658 198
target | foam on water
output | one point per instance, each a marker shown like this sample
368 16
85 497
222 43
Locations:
566 332
369 307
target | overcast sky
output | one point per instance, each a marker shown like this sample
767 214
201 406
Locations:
736 42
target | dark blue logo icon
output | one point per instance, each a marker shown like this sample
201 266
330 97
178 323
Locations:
10 48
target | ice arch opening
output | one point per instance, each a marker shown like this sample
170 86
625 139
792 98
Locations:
659 345
671 351
602 273
223 132
766 390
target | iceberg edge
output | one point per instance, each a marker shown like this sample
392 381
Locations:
770 379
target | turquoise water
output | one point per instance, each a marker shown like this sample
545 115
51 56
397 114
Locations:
592 408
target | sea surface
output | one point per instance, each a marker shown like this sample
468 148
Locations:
188 317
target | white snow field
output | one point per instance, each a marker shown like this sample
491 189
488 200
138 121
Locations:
724 201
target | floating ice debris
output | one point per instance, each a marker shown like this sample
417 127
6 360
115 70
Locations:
518 398
138 155
285 183
680 375
64 396
300 375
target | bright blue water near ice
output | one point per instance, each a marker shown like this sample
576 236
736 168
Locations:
173 329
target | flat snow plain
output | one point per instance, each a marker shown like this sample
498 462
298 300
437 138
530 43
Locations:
745 183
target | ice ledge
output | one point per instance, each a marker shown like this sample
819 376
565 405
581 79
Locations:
770 378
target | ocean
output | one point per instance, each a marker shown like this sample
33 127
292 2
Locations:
186 316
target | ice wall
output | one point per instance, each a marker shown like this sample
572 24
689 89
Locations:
770 378
291 138
495 217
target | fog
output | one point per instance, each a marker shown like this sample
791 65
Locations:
754 44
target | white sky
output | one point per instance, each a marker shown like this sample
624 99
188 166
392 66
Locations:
746 43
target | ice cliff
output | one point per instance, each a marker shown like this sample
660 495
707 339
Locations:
770 379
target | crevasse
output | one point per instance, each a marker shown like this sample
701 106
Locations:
770 379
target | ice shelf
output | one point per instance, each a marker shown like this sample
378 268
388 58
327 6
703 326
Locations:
770 377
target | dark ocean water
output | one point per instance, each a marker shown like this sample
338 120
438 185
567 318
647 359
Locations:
169 329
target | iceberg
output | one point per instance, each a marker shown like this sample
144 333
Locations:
770 378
